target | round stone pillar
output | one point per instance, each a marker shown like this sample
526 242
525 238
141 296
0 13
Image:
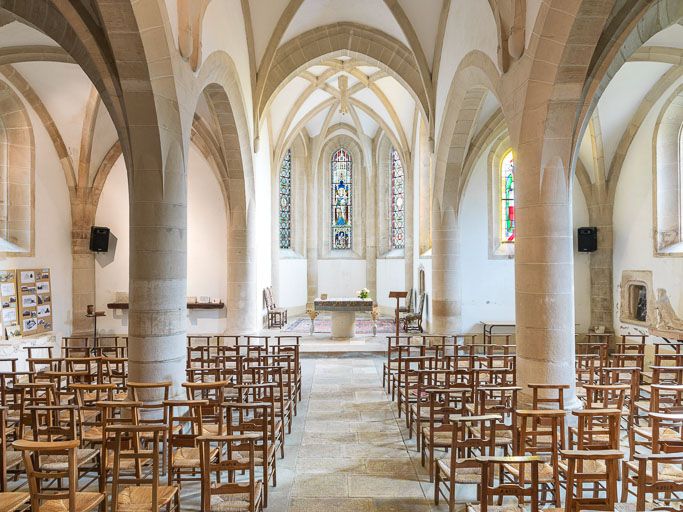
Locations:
544 273
158 272
446 310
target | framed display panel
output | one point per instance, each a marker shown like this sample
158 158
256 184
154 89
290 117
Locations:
9 304
35 300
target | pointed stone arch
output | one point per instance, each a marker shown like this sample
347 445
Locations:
344 39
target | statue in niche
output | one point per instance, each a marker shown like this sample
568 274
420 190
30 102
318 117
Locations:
666 317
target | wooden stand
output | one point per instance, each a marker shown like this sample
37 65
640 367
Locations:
398 296
94 316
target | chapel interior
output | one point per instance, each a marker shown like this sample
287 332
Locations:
341 255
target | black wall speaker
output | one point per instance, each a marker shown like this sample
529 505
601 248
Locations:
99 239
588 239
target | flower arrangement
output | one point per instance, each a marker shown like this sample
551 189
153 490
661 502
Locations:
363 294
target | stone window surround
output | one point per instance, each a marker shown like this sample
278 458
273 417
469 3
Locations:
630 278
17 176
299 178
667 168
384 200
496 248
359 193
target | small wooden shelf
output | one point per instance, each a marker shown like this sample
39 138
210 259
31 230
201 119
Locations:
195 305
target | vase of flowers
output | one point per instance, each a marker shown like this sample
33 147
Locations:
363 294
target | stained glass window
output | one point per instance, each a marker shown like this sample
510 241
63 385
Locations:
507 195
341 199
397 202
286 201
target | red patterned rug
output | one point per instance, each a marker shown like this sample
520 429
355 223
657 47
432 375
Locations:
324 325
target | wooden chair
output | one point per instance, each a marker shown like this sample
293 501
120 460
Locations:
597 429
277 317
213 421
246 495
9 459
51 423
184 427
525 484
46 499
117 412
437 432
599 467
651 474
145 493
663 428
251 419
461 467
501 400
413 321
153 395
541 434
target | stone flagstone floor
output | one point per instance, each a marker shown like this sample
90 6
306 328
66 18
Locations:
347 451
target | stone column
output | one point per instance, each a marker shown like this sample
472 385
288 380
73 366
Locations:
600 212
158 270
311 236
371 231
544 272
83 276
243 300
446 310
83 261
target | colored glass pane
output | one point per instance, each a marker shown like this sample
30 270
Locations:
341 199
397 202
507 195
286 201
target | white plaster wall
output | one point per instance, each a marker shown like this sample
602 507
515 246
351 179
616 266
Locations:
293 283
223 29
461 37
52 229
633 222
582 277
206 248
391 275
488 286
341 278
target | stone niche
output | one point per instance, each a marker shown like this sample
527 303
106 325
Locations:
637 298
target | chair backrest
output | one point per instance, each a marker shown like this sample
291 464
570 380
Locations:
541 432
32 452
54 422
240 457
153 395
4 430
127 446
472 436
420 305
584 465
268 297
550 395
213 394
526 487
673 422
606 396
185 423
657 481
598 429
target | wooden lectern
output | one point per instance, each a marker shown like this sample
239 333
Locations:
398 296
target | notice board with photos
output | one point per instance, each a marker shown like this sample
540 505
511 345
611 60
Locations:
26 301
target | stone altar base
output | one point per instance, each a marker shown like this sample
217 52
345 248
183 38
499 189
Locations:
343 325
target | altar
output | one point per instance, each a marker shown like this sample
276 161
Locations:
343 312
